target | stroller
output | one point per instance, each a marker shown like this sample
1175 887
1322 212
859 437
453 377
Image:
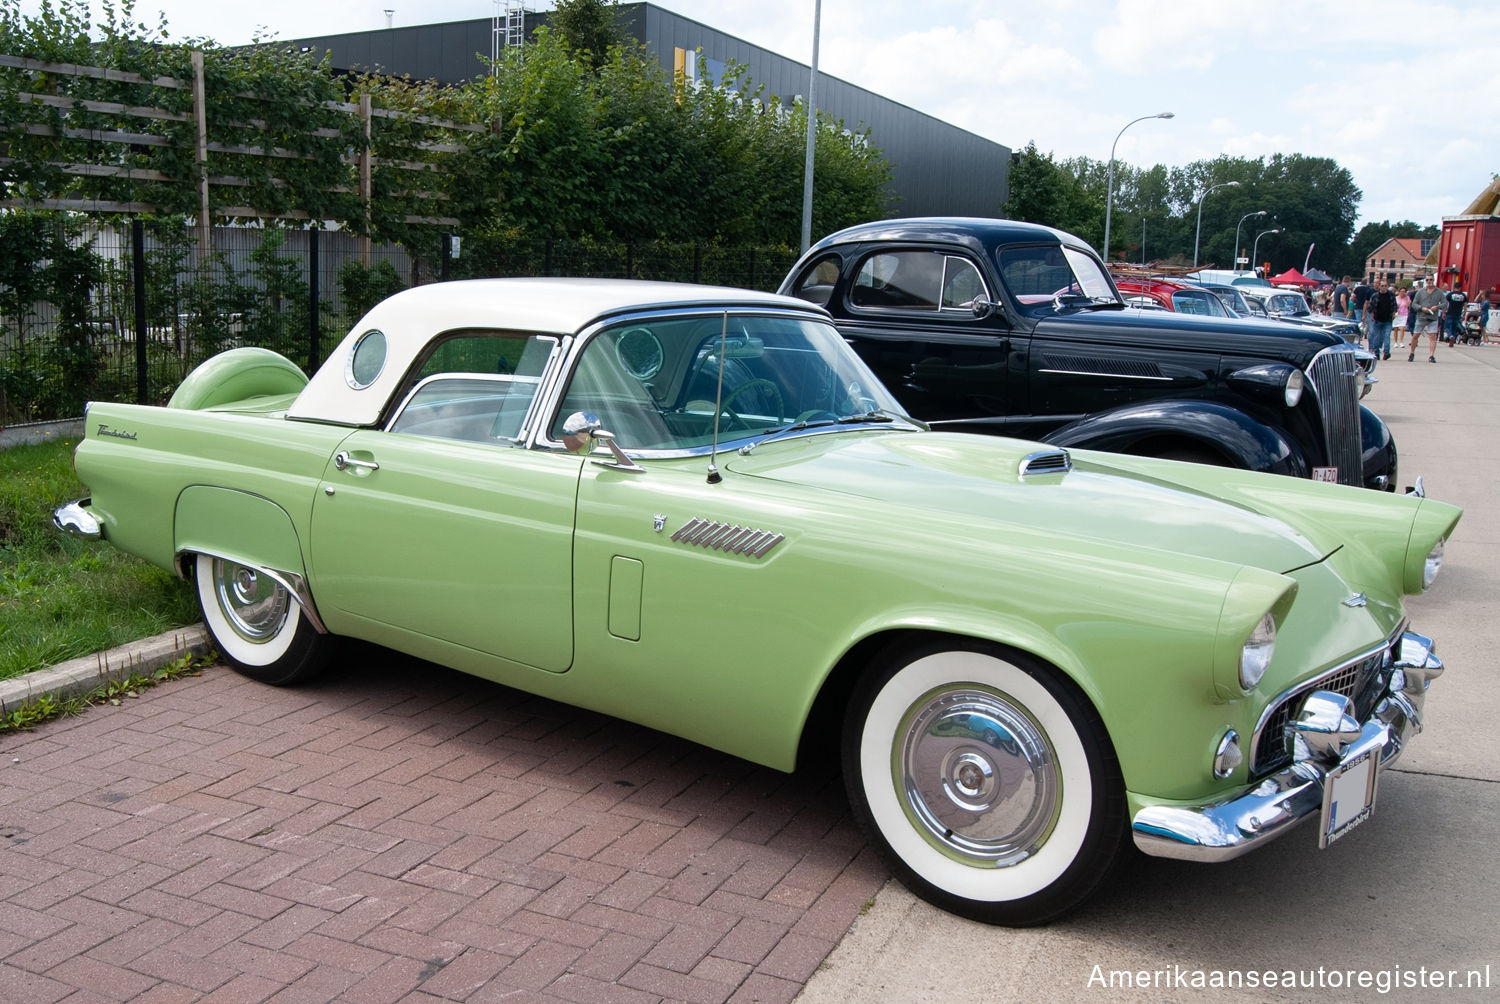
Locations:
1470 330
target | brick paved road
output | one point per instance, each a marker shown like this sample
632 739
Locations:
402 832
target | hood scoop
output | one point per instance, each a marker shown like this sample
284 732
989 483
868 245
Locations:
1045 462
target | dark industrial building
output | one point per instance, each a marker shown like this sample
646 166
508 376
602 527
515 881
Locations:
937 169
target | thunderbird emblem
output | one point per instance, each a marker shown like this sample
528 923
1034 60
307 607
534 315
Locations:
1357 600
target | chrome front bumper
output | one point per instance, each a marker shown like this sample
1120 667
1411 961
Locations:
75 518
1323 736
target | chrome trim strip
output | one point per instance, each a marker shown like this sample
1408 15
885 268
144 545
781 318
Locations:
1112 376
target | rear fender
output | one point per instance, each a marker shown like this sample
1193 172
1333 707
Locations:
1242 441
246 529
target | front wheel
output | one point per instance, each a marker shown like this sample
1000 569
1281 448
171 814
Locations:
987 781
256 624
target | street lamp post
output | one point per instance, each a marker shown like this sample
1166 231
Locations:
1109 192
812 131
1236 264
1255 248
1206 193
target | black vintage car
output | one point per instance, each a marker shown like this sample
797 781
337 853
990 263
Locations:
1017 329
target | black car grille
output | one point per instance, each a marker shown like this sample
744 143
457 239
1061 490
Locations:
1336 380
1364 681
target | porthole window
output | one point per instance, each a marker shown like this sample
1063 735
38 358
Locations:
366 360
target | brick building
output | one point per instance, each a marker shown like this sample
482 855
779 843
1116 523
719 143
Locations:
1400 259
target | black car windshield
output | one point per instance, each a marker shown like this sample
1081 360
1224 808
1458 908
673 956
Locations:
665 384
1048 278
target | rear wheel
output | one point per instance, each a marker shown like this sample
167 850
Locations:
256 624
987 780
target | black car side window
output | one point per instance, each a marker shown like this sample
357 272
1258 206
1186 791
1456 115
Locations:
815 285
916 280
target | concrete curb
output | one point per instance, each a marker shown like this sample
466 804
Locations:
33 433
82 675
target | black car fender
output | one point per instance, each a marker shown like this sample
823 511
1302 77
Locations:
1182 428
1379 450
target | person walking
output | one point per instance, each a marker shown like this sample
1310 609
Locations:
1454 323
1341 299
1403 313
1379 313
1357 299
1428 305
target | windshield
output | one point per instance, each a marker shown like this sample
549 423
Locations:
1290 303
1051 277
654 383
1198 301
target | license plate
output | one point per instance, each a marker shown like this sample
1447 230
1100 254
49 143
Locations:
1329 474
1348 796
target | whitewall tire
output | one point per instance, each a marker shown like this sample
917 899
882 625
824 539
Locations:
986 779
256 624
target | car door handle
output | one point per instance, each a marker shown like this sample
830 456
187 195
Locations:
343 461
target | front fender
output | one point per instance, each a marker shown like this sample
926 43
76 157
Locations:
1379 451
1242 441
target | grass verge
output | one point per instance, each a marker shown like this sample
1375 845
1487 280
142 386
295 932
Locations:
60 596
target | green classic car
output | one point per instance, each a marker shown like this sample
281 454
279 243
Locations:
695 508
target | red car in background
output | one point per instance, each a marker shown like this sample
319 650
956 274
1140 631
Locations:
1171 294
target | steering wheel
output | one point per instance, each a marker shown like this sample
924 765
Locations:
757 384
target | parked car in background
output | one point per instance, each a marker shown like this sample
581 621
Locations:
1171 294
697 509
1291 306
1017 329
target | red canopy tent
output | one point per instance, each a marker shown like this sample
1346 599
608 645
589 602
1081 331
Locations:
1291 277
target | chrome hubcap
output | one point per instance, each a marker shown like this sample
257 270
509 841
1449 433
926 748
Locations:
255 605
978 776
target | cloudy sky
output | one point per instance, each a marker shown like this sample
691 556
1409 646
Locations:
1399 92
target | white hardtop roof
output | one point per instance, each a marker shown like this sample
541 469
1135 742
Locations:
556 306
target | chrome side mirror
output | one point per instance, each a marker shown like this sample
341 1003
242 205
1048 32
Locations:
582 430
983 307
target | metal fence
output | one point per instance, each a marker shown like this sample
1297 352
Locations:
151 309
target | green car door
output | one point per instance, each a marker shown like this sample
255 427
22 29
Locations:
444 529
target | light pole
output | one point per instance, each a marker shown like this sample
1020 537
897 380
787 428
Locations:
1236 265
1206 192
1109 192
812 131
1255 248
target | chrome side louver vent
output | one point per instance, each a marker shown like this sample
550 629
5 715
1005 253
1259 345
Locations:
724 537
1046 462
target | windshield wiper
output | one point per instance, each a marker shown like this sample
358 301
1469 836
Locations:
876 417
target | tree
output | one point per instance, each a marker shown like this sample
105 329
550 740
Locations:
587 27
1055 195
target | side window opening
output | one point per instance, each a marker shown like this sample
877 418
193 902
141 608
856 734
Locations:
916 280
816 284
478 387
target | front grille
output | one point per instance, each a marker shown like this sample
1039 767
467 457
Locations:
1335 379
1364 681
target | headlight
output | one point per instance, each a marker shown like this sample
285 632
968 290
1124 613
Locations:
1292 393
1432 564
1256 655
